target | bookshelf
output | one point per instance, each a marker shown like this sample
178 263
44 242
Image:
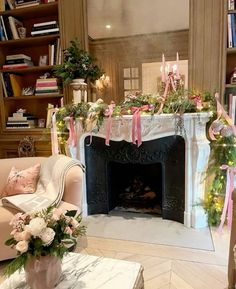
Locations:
34 47
229 57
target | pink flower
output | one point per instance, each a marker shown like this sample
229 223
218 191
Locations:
22 246
56 214
68 230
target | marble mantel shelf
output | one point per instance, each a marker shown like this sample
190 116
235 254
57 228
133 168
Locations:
197 152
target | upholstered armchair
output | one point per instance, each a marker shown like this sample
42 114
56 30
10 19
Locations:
71 198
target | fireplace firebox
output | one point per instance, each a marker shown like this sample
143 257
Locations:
123 174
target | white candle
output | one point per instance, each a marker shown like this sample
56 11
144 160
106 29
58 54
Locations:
177 66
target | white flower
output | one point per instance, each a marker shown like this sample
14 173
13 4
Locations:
22 246
36 226
56 214
47 236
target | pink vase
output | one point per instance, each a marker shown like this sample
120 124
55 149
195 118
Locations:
43 272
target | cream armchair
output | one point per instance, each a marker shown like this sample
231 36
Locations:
71 198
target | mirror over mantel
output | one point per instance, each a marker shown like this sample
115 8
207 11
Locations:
128 38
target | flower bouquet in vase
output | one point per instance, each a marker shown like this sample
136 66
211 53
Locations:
41 240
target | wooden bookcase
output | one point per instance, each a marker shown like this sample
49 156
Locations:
229 59
35 47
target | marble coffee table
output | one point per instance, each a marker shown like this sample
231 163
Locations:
89 272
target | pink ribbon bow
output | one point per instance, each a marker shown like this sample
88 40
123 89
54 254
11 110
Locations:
228 203
72 140
170 81
136 123
109 113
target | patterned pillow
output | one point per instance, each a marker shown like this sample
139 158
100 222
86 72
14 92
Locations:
21 182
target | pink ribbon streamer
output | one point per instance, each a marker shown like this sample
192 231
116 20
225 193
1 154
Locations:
72 140
109 123
228 203
136 124
168 82
221 113
54 139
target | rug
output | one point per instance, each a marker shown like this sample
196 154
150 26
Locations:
147 228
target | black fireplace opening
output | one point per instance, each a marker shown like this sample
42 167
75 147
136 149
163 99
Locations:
150 177
137 189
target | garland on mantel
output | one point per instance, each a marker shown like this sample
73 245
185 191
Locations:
223 147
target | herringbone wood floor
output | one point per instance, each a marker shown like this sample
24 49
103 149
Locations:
167 267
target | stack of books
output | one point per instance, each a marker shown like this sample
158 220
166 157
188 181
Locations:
45 28
21 120
17 61
46 86
26 3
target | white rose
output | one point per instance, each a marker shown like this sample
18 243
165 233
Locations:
22 246
36 226
47 236
74 223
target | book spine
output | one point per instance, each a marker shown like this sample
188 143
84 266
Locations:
46 27
45 23
53 30
13 27
2 5
17 56
20 60
233 30
4 27
15 66
230 39
231 5
46 88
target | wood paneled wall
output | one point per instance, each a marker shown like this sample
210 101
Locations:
207 41
115 53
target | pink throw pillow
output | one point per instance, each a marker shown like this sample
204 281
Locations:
21 182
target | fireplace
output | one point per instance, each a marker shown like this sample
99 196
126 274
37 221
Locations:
120 173
170 165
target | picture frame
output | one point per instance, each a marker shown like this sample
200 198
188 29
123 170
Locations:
43 60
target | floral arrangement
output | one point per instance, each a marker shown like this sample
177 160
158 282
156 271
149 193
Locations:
78 63
47 232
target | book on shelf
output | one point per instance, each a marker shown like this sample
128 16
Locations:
231 5
6 82
230 36
22 2
47 92
2 5
15 66
17 84
232 108
233 27
27 5
18 118
11 4
45 31
4 28
43 24
17 56
18 61
14 25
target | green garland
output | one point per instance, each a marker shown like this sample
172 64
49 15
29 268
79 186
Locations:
223 149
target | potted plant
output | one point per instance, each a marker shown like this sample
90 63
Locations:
78 63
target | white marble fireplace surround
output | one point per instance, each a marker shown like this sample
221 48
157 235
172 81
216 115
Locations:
197 152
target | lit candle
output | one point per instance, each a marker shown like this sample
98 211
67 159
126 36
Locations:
177 66
163 74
